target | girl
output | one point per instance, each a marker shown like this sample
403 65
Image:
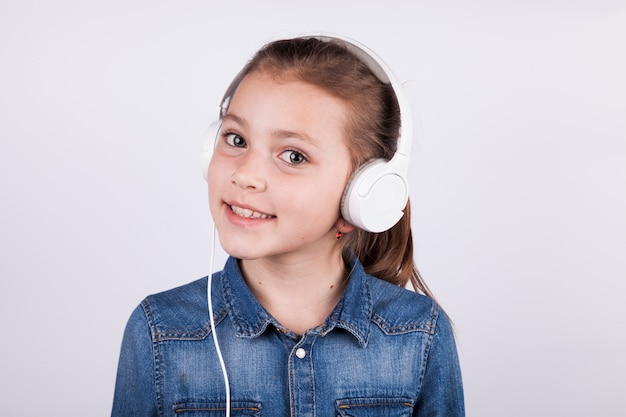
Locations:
310 310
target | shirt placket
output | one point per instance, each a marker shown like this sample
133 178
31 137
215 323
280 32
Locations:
301 378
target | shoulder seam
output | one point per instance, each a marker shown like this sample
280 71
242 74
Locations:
427 326
173 334
156 355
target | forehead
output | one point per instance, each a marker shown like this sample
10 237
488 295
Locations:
286 79
287 100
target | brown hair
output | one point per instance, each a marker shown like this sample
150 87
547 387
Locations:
373 128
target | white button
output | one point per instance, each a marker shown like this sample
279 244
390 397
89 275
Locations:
300 353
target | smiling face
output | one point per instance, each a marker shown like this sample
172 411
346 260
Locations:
280 165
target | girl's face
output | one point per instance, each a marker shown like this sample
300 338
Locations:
278 171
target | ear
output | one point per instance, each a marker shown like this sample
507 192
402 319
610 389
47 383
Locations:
343 226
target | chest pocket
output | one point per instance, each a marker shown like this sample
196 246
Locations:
374 407
218 409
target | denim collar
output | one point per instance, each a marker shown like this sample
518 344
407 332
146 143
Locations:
353 312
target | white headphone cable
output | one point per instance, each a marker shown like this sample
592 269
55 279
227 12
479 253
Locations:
213 332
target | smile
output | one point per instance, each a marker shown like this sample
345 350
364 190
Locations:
249 214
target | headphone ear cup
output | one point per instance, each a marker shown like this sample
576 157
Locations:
375 198
208 145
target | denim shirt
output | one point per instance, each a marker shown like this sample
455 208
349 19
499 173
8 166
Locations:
383 351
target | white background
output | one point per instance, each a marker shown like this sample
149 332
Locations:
518 182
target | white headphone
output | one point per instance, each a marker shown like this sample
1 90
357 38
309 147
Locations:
378 191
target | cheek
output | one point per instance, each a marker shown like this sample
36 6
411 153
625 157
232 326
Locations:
324 197
215 181
216 172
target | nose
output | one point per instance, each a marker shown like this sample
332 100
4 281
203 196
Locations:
249 173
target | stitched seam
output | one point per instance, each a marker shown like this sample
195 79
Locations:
374 405
423 326
181 410
434 317
156 357
348 403
312 370
292 394
196 335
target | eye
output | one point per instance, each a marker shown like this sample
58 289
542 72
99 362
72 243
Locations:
293 157
234 140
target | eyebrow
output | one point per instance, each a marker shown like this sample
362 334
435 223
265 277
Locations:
286 134
278 133
240 121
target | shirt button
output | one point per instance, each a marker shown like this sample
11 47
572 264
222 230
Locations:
300 353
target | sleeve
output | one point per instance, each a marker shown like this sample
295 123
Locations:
135 386
441 392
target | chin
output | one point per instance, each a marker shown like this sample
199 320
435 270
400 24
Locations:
239 251
242 255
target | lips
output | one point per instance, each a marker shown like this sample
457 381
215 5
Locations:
247 213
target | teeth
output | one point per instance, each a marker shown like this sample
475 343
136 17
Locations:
249 214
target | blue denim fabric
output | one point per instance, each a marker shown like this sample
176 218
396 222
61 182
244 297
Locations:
383 351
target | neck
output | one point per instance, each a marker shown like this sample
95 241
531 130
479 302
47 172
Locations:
299 293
